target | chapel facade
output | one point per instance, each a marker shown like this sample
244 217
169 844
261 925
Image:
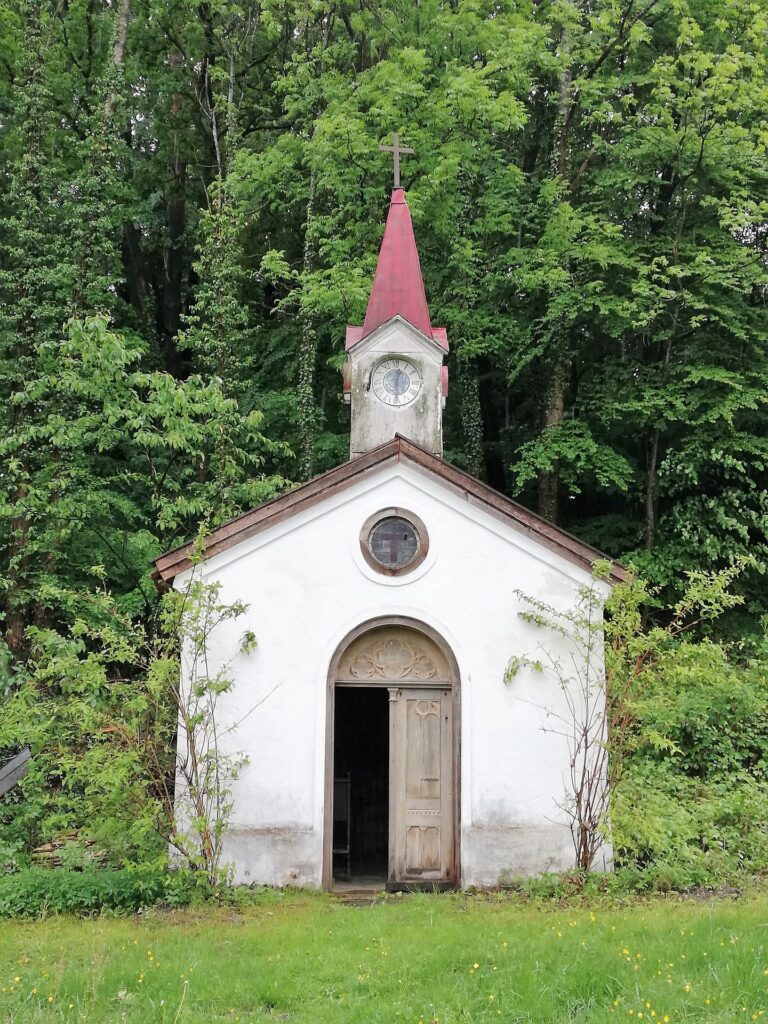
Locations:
384 746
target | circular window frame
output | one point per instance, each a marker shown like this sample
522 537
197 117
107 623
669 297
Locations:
394 513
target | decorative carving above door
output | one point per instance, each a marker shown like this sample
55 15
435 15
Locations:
393 654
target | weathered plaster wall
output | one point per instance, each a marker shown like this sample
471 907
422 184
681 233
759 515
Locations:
307 586
374 423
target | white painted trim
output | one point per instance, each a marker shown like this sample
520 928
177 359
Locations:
396 323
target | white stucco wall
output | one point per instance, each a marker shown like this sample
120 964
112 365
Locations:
307 586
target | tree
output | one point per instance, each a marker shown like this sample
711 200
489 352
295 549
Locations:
610 683
127 740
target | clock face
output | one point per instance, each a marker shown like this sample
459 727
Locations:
396 382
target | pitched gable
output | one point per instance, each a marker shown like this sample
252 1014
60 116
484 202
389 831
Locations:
399 449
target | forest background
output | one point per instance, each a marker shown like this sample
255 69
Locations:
191 203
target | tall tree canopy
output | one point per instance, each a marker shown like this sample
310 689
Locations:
191 202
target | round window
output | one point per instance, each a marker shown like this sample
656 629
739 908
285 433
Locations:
393 542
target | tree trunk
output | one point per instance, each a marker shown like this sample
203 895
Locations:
118 52
471 418
173 258
16 609
135 272
173 264
307 352
651 491
549 480
652 476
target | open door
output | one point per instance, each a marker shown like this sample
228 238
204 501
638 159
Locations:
421 787
392 804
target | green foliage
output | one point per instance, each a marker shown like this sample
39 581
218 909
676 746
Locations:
699 770
189 221
583 461
125 744
115 464
587 191
676 724
37 892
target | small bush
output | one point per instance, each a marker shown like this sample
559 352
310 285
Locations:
33 892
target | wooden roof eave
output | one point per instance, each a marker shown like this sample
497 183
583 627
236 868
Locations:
170 564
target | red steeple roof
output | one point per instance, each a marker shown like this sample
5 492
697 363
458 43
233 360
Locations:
398 288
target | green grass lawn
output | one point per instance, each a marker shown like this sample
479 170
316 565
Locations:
414 959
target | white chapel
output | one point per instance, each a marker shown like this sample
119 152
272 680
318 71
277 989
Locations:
384 747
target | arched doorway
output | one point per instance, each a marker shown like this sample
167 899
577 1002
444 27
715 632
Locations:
392 759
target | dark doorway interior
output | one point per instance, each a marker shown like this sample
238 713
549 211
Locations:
361 784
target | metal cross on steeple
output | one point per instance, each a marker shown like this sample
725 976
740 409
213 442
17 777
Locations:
396 149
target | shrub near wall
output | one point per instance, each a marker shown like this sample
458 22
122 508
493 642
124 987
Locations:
37 891
699 771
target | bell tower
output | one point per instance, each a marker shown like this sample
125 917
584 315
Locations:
394 376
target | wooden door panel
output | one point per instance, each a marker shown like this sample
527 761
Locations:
422 849
421 785
422 764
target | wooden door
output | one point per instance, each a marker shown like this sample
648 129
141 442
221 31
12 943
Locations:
421 820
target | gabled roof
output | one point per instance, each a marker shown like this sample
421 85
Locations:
399 449
398 287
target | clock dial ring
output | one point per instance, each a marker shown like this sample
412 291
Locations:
395 381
